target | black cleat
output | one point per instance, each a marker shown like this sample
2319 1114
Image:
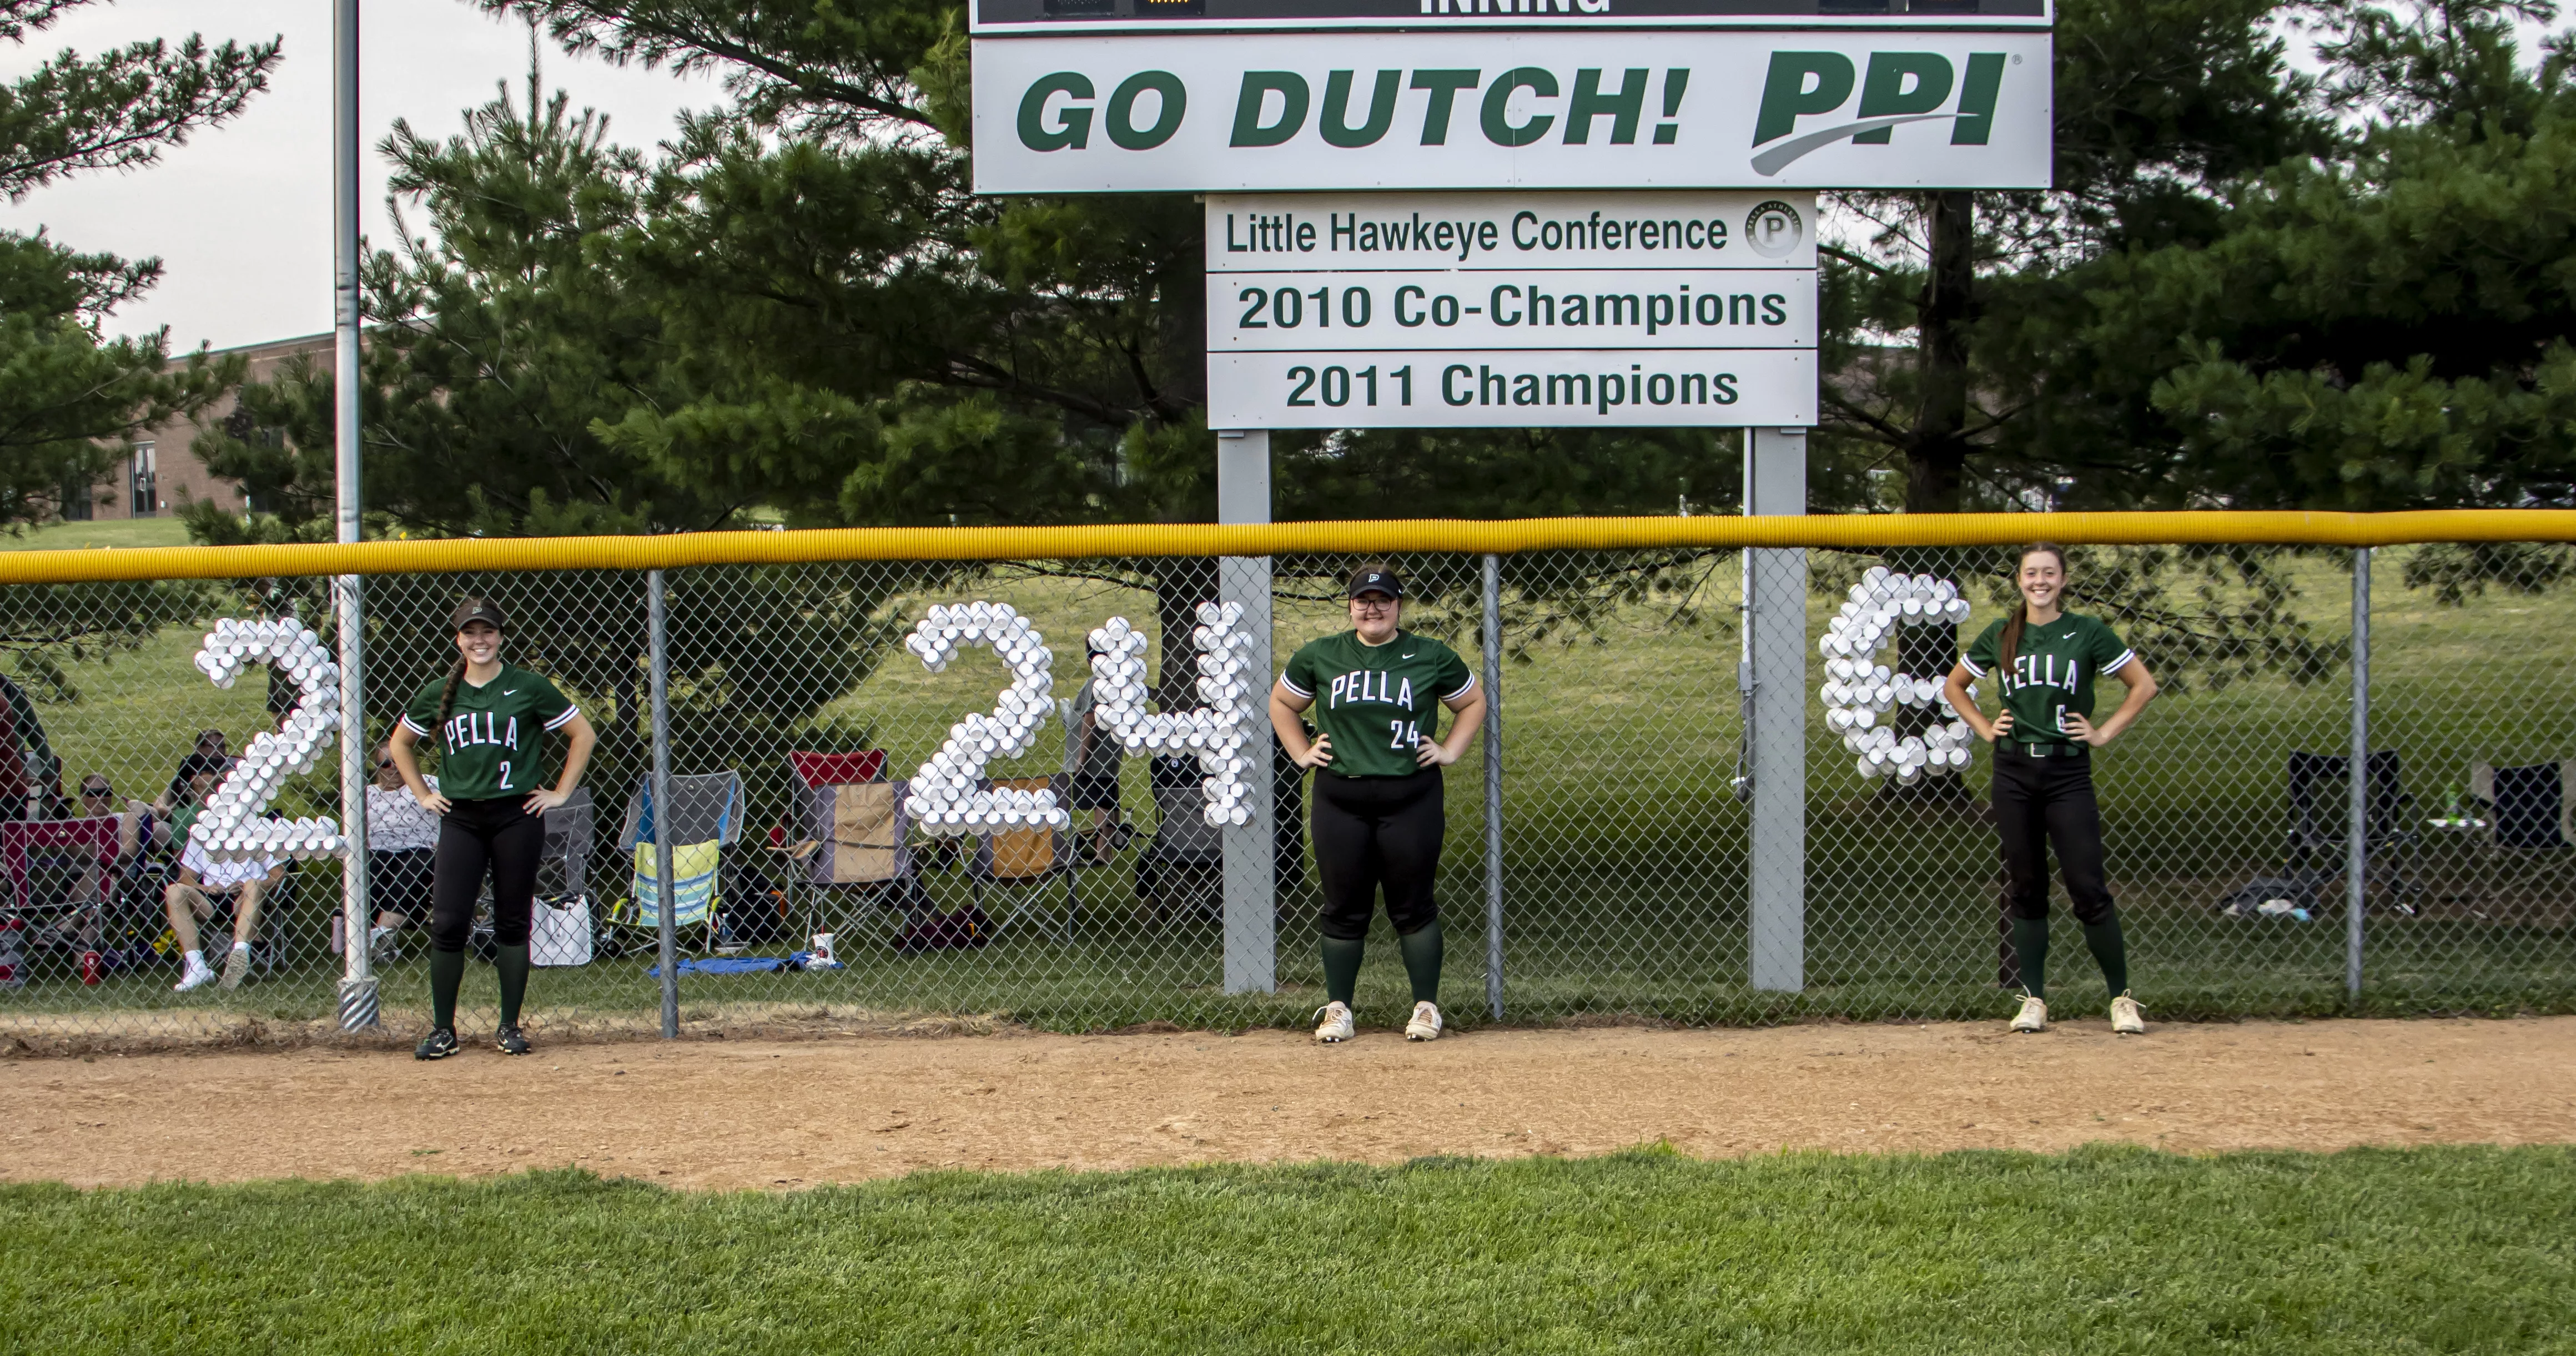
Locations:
438 1044
509 1040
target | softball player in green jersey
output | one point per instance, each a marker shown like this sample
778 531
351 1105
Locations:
489 719
1376 691
2044 738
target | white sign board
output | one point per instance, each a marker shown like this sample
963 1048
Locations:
1257 16
1514 310
1594 108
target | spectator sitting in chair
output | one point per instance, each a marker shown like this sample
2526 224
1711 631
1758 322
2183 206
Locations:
206 886
210 755
402 841
137 832
191 801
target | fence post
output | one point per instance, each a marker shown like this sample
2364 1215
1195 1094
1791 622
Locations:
1252 847
1494 784
358 997
656 614
1775 652
2357 846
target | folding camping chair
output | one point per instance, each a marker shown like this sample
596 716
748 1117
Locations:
563 932
46 860
705 819
855 850
2320 790
2531 816
1026 860
2528 807
1181 872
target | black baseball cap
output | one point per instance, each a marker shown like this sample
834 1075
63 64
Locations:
1377 581
474 610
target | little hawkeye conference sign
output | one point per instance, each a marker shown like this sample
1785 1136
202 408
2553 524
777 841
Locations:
1075 96
1511 310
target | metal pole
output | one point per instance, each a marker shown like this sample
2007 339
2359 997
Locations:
358 998
1251 961
1494 784
2357 849
1775 631
661 792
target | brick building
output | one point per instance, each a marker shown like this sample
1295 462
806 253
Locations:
161 470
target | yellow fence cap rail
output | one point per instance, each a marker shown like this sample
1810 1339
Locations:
1860 531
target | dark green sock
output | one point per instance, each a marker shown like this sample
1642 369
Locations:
1422 961
1342 969
512 962
446 976
2030 950
2111 951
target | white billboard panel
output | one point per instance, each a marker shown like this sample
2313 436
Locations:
1597 108
1164 16
1545 388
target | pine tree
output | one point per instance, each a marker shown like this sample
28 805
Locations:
67 391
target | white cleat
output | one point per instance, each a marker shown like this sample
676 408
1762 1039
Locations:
236 967
2126 1019
1333 1023
197 977
1425 1023
2033 1015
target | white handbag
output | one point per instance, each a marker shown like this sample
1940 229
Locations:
560 934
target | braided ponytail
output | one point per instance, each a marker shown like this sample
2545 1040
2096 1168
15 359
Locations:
455 675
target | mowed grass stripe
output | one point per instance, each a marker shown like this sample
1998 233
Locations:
2105 1249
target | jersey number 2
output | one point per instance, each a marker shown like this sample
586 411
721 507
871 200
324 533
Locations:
505 776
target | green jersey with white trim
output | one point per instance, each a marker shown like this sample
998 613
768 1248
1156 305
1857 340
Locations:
490 745
1378 702
2053 672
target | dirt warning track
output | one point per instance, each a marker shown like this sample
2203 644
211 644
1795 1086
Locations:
798 1113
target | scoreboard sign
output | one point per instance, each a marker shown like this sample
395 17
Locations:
1511 310
1252 96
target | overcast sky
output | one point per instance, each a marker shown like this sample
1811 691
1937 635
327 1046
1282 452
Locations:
241 215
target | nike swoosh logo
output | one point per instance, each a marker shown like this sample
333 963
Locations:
1404 656
509 692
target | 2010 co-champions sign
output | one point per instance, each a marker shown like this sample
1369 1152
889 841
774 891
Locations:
1511 310
1480 108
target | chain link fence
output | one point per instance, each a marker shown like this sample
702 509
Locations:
796 718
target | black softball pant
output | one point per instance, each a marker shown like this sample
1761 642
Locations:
497 836
2041 802
1373 832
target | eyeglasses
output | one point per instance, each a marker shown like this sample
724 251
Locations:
1373 604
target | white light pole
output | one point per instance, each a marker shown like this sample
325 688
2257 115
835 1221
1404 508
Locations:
358 983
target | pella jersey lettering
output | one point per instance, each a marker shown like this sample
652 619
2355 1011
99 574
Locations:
1377 702
2053 672
490 744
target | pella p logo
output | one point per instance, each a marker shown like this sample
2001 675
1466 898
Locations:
1898 88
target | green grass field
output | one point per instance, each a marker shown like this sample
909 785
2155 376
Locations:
1625 852
122 533
2438 1250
